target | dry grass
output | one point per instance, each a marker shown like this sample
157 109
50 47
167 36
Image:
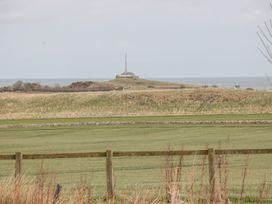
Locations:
40 191
130 103
180 187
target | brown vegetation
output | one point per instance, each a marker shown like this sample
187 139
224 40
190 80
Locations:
84 86
135 102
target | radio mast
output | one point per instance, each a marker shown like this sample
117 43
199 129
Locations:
125 62
127 74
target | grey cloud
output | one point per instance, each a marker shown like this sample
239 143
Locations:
69 38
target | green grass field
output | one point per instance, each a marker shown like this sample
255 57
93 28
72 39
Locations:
135 172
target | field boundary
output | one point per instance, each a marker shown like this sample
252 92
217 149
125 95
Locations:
109 154
116 123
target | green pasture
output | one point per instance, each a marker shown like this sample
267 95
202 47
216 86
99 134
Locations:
133 172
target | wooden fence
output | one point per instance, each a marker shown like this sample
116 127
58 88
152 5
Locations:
109 154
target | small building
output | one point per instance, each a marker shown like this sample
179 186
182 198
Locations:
127 74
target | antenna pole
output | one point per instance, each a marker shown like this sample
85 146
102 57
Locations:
125 62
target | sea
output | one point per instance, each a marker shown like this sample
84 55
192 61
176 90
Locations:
258 83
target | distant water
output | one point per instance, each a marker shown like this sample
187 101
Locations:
260 83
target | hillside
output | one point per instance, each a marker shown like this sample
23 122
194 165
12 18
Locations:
92 86
134 102
139 83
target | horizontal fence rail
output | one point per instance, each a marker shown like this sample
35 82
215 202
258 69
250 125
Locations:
109 155
137 153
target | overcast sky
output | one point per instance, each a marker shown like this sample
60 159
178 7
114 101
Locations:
163 38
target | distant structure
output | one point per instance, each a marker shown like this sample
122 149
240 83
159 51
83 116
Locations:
127 74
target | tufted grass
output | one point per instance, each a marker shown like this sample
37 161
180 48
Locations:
189 101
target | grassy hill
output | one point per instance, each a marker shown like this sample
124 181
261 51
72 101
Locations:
145 84
92 86
187 101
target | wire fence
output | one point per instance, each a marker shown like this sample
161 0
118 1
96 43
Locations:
244 170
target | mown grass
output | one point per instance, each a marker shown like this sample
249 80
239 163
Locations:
156 137
131 173
189 101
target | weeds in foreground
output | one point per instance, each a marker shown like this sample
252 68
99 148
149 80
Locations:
180 187
196 190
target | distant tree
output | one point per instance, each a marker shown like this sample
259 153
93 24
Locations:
265 35
18 85
32 87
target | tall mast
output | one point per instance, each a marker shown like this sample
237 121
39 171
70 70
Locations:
125 62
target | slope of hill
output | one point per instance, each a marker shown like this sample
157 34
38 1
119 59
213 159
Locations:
138 83
134 102
92 86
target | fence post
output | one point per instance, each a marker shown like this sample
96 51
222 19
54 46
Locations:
109 169
211 156
18 163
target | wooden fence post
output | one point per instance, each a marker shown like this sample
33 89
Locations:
18 163
109 169
211 156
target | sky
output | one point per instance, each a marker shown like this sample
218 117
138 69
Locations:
163 38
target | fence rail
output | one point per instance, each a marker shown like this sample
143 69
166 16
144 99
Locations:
136 153
109 155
